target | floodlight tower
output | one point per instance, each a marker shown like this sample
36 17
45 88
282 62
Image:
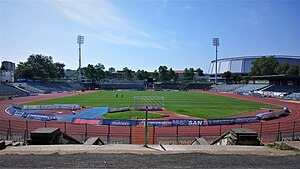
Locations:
80 40
216 44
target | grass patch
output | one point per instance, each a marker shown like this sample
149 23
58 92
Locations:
193 104
281 146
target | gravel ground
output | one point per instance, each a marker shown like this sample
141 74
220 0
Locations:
190 160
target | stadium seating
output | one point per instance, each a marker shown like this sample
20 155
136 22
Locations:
295 96
198 86
116 81
249 88
226 88
173 86
6 90
182 86
121 84
283 88
125 86
51 87
30 89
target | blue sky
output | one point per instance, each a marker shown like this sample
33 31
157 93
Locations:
147 34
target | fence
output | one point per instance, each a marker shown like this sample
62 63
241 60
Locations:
267 131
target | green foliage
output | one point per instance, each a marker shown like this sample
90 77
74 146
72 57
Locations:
237 78
41 67
227 75
163 73
166 75
287 69
155 74
129 74
89 72
264 66
193 104
141 75
199 72
269 66
172 75
100 73
281 146
293 70
108 75
189 74
96 72
281 69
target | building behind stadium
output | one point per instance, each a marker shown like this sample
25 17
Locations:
243 64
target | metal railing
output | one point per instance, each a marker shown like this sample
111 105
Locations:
267 131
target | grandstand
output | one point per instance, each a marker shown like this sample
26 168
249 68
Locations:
125 86
198 86
34 88
283 88
6 90
121 84
249 88
169 86
293 96
280 90
50 87
117 81
226 88
30 89
182 86
261 90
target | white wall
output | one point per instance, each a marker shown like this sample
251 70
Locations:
7 76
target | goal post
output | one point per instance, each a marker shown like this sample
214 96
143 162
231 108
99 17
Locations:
153 102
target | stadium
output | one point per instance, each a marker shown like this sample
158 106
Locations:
114 109
135 84
243 64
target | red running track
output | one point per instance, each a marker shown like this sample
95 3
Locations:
268 130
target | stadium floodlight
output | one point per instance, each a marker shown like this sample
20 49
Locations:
216 44
80 40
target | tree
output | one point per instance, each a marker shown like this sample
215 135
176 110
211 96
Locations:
237 78
281 68
138 75
128 73
189 73
41 67
141 75
293 70
58 70
24 70
95 72
172 75
163 73
100 73
287 69
264 66
155 74
227 75
199 72
108 75
89 72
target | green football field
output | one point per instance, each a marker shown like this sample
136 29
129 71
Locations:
194 104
